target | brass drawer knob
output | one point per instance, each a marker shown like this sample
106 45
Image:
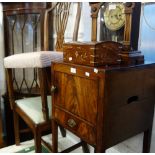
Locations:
71 123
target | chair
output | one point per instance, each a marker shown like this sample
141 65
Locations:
36 111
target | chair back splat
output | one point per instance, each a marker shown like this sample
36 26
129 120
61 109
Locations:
62 14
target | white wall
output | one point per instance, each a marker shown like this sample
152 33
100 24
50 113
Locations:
84 33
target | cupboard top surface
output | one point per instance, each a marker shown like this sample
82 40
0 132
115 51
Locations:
110 67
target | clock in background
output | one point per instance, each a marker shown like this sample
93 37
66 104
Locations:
114 16
112 21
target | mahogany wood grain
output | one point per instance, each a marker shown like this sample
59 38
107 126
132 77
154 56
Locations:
107 107
81 128
74 101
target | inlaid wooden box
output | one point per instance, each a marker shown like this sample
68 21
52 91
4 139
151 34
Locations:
92 53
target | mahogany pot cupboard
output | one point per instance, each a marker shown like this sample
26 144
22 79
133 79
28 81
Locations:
103 106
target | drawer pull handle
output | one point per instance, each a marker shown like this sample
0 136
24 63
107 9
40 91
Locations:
71 123
53 89
132 99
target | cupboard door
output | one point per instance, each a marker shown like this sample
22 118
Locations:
71 95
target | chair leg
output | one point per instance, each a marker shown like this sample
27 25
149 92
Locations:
16 128
37 141
63 131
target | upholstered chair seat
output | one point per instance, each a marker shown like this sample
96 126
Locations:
32 59
32 107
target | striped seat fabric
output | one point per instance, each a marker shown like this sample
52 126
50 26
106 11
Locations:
39 59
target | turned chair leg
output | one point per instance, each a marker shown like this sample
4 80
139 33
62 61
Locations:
147 140
37 141
16 128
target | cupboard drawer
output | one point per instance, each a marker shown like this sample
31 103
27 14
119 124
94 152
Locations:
81 128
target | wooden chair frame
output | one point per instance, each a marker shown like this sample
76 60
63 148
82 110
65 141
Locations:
37 129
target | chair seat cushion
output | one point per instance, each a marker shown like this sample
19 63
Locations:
32 59
33 108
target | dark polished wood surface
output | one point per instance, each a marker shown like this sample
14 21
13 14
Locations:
12 6
104 106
